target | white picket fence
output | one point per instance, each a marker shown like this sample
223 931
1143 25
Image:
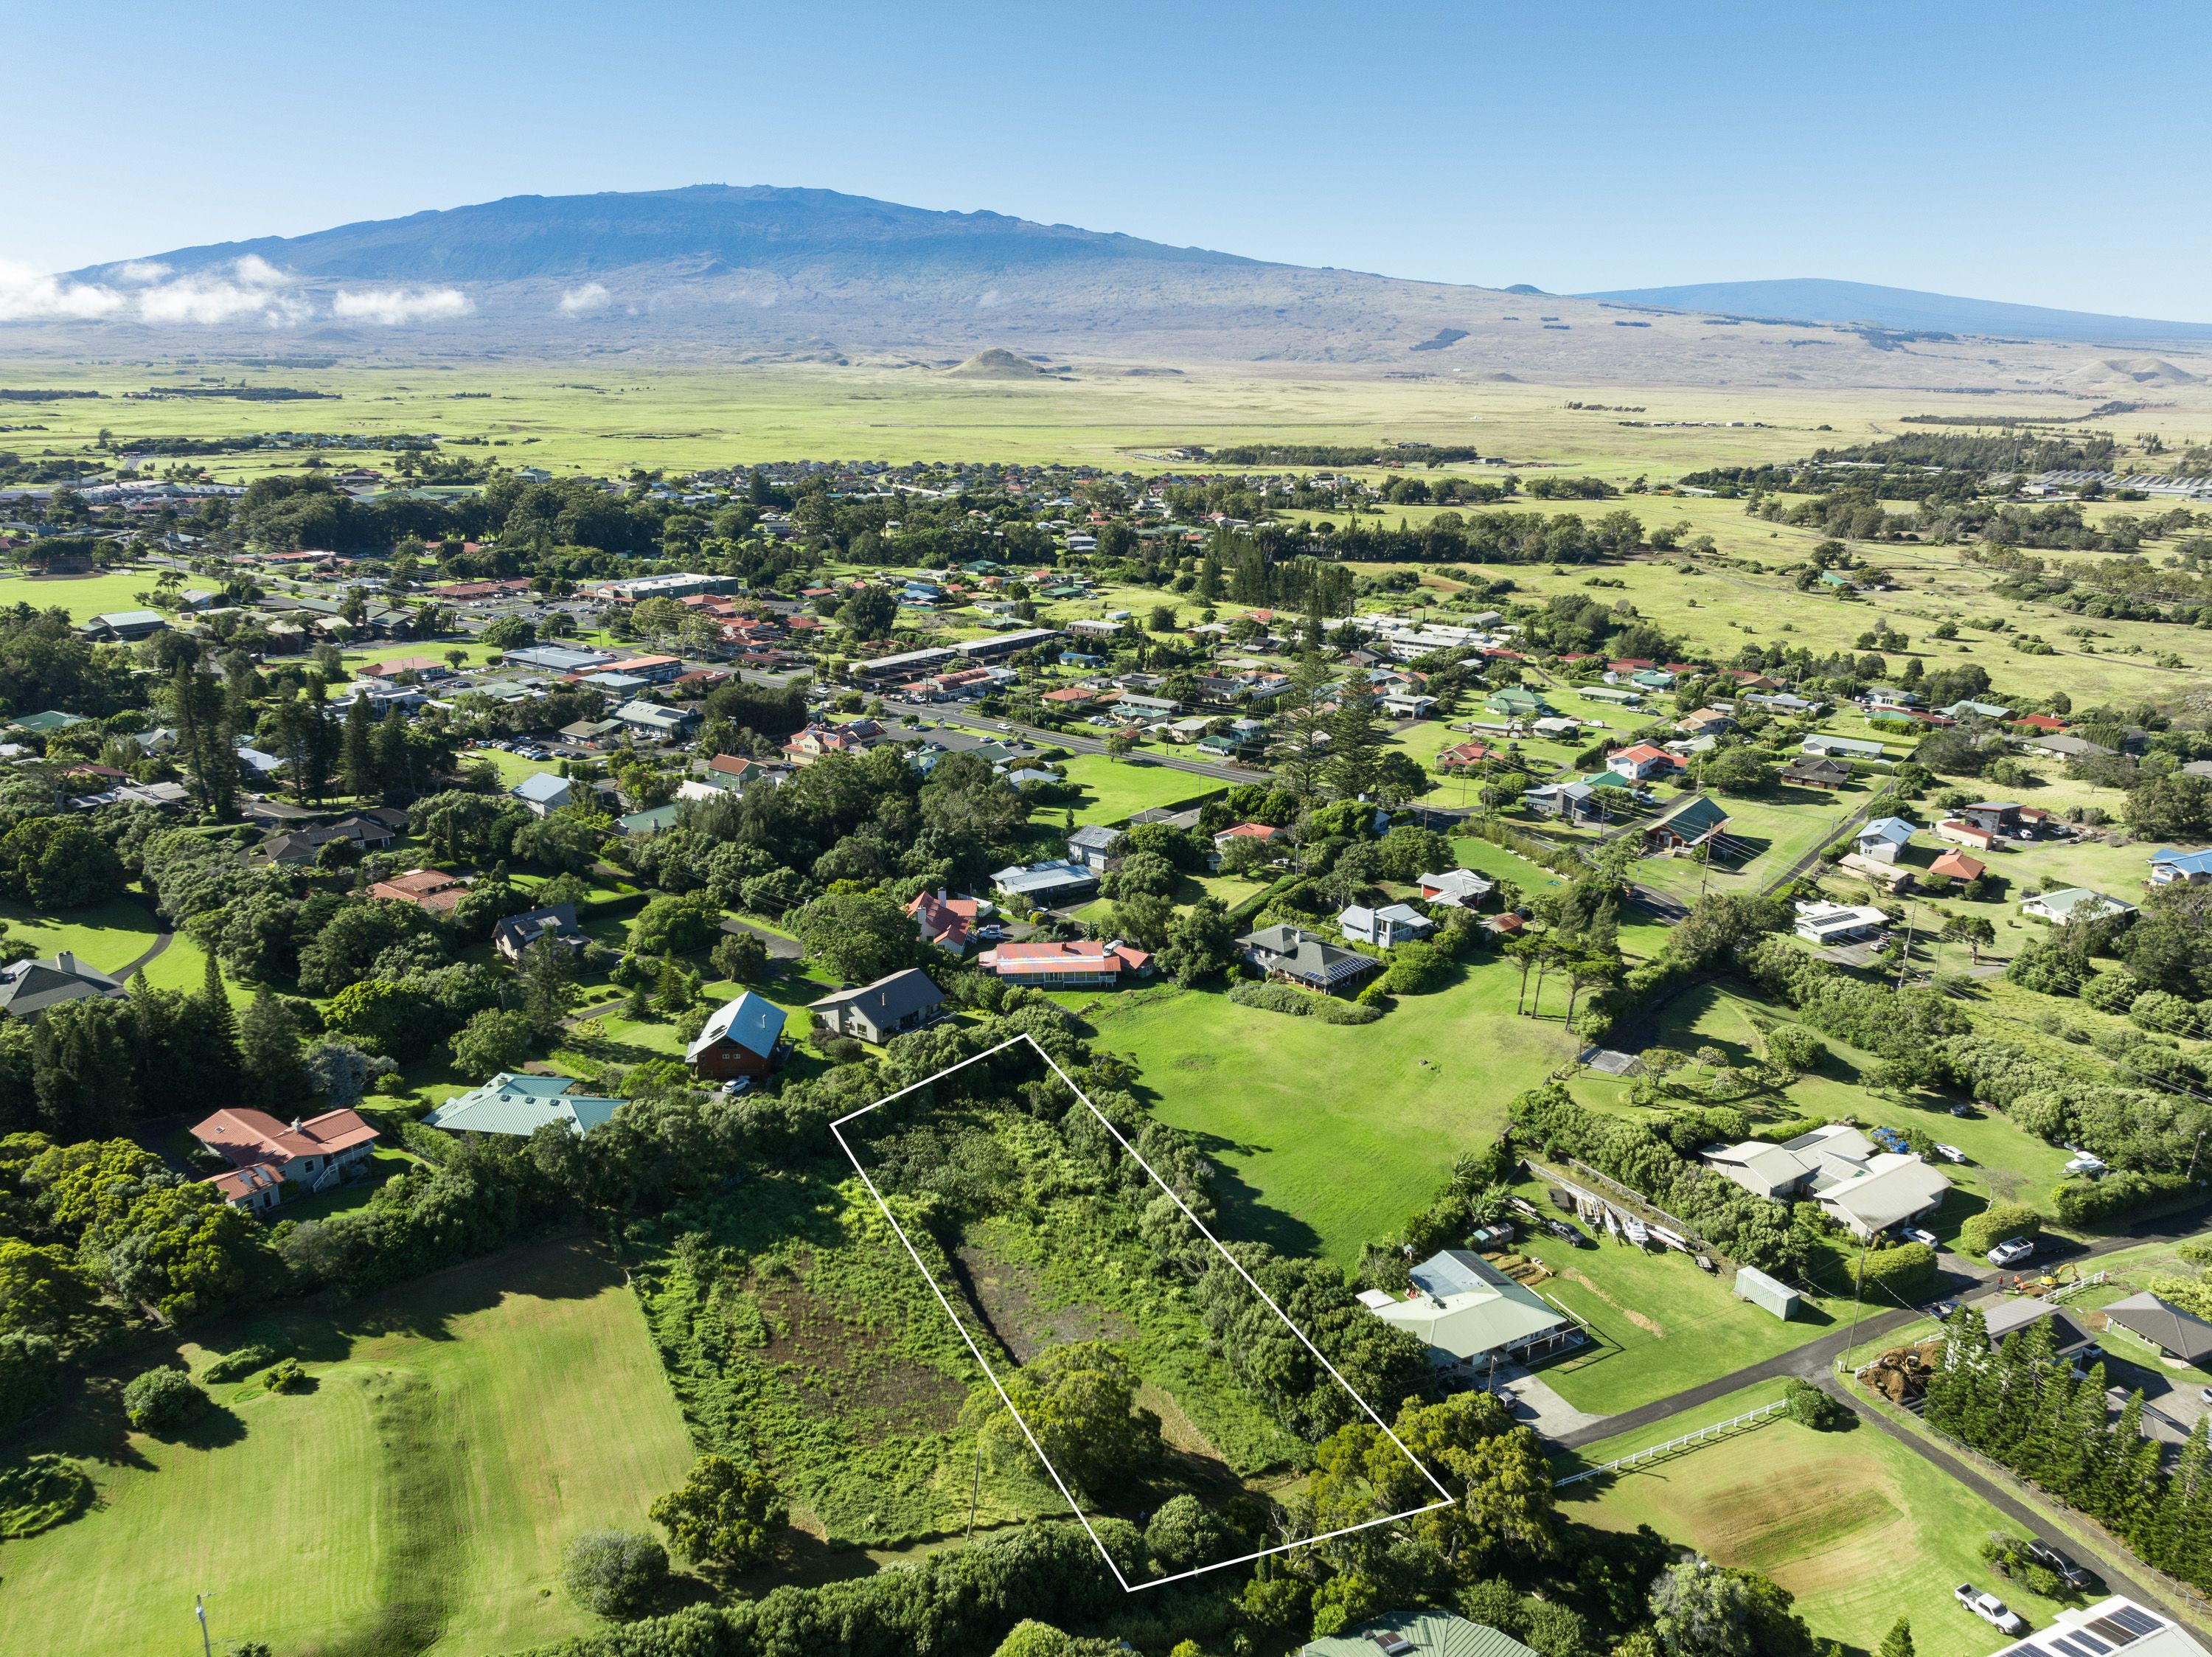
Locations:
1749 1418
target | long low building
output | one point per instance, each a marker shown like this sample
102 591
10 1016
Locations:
1000 646
879 671
1868 1189
1083 964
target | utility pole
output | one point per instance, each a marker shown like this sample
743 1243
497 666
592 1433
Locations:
199 1609
1858 1294
1905 957
975 1494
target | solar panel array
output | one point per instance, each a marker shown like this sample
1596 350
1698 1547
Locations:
2121 1626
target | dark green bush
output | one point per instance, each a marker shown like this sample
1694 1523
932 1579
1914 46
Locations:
162 1400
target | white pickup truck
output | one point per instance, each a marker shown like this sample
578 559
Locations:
1991 1609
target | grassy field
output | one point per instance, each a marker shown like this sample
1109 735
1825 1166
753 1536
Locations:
1113 790
1859 1527
1330 1135
1663 1324
459 1432
110 936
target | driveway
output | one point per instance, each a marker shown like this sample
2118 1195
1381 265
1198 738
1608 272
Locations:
779 948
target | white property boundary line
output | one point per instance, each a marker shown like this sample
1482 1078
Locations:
1127 1587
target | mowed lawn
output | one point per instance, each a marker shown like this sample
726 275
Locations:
1855 1525
108 937
88 596
1331 1135
1661 1323
460 1431
1115 789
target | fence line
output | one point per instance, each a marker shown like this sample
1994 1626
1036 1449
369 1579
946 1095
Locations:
1749 1418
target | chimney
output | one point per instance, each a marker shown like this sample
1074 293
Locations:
295 1124
65 960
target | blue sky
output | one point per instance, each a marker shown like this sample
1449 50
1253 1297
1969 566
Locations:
2018 152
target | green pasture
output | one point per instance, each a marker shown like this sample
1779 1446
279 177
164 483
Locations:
86 595
1857 1526
458 1433
1115 789
1330 1135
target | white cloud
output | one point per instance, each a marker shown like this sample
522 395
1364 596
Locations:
31 296
390 306
988 298
254 288
142 270
592 296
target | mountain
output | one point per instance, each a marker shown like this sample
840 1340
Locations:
1811 299
703 229
761 274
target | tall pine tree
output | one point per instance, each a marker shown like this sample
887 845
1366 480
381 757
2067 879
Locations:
268 1049
1355 739
357 756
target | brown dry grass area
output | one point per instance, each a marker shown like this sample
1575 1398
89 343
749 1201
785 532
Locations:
1822 1527
1012 1301
850 1366
1649 1327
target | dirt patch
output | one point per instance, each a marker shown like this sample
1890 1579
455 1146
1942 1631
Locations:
835 1358
1196 1062
1648 1325
1012 1301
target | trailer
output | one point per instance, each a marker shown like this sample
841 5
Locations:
1765 1292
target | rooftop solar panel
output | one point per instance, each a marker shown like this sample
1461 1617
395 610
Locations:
2134 1619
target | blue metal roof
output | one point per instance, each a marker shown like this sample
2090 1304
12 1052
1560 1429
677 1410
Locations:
752 1021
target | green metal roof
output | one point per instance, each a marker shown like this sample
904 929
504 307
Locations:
1430 1634
521 1105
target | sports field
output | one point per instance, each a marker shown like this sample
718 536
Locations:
1855 1525
1330 1135
459 1432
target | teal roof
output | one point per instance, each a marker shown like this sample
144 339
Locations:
521 1105
649 822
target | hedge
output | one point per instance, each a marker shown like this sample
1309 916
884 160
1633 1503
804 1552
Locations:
2122 1190
2000 1222
1302 1003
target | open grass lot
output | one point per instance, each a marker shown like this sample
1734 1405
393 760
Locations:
460 1431
110 936
1663 1324
1115 789
83 596
2004 1163
1330 1135
1762 838
1857 1526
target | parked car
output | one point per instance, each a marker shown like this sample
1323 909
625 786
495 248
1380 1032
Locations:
1942 1310
1564 1233
2083 1162
736 1085
1915 1235
2012 1251
991 933
1950 1153
2204 1395
1991 1609
1962 1110
2056 1562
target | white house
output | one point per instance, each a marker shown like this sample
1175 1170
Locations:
1834 924
2075 903
1883 838
1457 889
1385 928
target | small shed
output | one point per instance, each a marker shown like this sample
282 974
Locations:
1753 1285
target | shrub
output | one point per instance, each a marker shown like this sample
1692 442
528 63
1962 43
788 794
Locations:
1415 969
2123 1191
1302 1003
1808 1406
1796 1048
617 1574
42 1492
285 1375
162 1400
1998 1223
2157 1009
30 1375
2112 992
237 1365
1901 1270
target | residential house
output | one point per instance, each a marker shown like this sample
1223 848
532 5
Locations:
1385 928
555 924
2044 724
1428 1633
592 733
1692 821
2075 903
1299 957
947 922
1516 702
1705 722
123 625
1994 817
1096 848
542 793
1842 747
2114 1626
1975 710
1814 772
1889 877
2170 867
313 1154
28 987
1408 706
368 830
1456 888
876 1012
1955 865
1869 1190
1082 965
740 1040
1825 924
1570 802
1642 762
2178 1334
432 889
1045 885
1882 839
45 723
1464 756
518 1105
653 820
1266 833
1471 1317
2059 747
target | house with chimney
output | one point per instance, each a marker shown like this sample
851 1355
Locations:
310 1153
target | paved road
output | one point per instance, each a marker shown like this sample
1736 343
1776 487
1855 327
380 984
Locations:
161 942
1816 1358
